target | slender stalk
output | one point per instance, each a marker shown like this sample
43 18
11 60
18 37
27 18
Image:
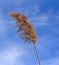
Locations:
36 53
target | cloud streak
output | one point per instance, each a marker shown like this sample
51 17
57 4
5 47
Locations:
52 61
9 55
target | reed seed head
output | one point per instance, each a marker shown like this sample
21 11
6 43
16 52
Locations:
25 27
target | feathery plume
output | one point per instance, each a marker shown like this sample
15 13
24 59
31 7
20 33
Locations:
26 28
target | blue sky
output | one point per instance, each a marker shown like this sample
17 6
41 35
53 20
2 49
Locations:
44 15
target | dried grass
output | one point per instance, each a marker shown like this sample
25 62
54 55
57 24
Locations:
26 28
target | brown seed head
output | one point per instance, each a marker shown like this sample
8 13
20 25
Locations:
26 28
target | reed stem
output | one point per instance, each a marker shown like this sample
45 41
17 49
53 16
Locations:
37 54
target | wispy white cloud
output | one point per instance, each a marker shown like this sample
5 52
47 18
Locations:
51 61
40 20
56 25
18 2
10 55
31 11
2 27
2 23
